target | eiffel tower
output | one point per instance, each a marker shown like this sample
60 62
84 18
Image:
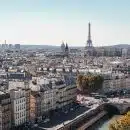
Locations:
89 41
89 49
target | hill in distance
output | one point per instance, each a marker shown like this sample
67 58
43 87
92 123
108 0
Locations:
51 47
122 46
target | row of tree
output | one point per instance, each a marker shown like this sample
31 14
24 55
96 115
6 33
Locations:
89 83
121 123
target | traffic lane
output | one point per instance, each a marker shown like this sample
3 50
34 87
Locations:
62 117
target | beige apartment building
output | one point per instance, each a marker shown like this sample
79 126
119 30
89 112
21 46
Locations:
18 105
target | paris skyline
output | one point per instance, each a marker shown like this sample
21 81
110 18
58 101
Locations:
49 22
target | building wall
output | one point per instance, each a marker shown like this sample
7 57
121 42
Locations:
27 96
32 107
116 83
48 101
47 98
18 102
35 106
66 95
5 114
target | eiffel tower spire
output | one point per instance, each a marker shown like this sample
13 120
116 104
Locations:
89 31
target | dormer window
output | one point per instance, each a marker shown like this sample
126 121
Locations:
34 82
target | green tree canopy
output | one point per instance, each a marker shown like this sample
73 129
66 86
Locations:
89 83
121 123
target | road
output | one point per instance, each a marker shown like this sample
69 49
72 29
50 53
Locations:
60 118
92 121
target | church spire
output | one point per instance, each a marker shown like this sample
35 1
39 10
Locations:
63 47
66 47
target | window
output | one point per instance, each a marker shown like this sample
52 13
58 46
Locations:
18 115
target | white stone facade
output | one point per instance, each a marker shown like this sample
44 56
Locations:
18 102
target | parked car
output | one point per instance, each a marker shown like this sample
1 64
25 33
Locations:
46 120
35 125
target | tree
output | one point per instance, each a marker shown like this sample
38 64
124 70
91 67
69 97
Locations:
121 123
89 83
79 82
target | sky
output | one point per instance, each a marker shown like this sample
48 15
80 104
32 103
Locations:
49 22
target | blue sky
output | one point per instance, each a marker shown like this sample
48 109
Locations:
51 21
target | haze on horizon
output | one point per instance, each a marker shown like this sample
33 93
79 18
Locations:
48 22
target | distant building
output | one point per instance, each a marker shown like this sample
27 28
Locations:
124 52
5 46
65 49
75 52
17 46
128 52
10 46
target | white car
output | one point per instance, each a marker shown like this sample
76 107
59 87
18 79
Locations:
66 112
71 109
46 120
35 125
